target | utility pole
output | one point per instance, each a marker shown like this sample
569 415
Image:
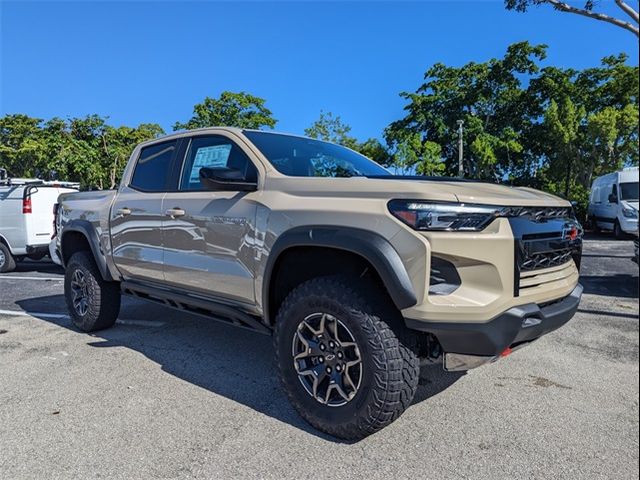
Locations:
460 147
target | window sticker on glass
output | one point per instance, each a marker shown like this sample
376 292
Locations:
214 156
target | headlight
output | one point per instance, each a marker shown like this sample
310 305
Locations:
629 212
443 216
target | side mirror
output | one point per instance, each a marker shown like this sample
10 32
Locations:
613 198
227 179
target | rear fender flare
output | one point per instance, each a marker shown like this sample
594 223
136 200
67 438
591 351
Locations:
85 228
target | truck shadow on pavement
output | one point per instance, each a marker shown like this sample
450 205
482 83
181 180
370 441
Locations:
228 361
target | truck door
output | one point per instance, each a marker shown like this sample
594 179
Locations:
209 236
136 215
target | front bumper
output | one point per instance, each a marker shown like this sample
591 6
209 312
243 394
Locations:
468 345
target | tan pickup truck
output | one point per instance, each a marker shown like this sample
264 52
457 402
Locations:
359 275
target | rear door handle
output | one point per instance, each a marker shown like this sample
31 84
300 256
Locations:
175 212
123 212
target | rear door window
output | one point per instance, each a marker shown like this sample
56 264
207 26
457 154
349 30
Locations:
152 172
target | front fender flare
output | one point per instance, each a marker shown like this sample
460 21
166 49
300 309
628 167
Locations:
372 247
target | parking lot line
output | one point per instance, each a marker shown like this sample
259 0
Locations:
138 323
21 313
50 279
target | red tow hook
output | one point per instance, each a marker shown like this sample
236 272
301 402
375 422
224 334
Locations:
507 351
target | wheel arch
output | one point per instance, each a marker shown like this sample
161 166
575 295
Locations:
372 249
5 243
80 235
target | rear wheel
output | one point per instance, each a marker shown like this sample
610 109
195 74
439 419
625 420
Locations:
343 367
7 262
93 303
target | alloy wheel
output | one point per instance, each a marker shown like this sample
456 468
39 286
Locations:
327 359
80 292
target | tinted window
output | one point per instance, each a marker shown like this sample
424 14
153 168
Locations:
153 167
629 190
305 157
214 152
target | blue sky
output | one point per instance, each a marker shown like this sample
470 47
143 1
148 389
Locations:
152 61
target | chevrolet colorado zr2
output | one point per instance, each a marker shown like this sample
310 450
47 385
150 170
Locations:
359 275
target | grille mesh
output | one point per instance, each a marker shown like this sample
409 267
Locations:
537 261
539 213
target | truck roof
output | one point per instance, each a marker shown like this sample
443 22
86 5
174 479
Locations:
213 130
183 133
629 174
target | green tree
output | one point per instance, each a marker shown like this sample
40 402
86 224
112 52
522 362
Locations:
87 150
331 128
231 109
21 147
491 101
562 129
374 149
595 112
412 155
587 10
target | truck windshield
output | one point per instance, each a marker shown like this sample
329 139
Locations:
629 191
305 157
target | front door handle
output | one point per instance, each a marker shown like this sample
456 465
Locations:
175 212
123 212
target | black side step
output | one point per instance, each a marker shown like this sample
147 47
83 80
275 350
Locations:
198 306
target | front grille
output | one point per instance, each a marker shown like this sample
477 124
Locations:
540 260
544 243
538 214
538 252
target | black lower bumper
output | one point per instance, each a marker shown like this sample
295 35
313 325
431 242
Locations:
517 325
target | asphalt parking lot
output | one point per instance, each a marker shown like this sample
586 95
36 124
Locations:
168 395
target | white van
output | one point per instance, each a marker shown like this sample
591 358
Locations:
613 204
26 218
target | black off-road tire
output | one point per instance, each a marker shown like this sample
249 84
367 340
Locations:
390 369
102 298
7 262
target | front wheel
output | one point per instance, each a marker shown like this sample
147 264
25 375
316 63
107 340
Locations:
93 302
344 369
618 232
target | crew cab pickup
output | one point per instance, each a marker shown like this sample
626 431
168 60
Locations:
359 275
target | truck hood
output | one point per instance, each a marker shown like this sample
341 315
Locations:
446 190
